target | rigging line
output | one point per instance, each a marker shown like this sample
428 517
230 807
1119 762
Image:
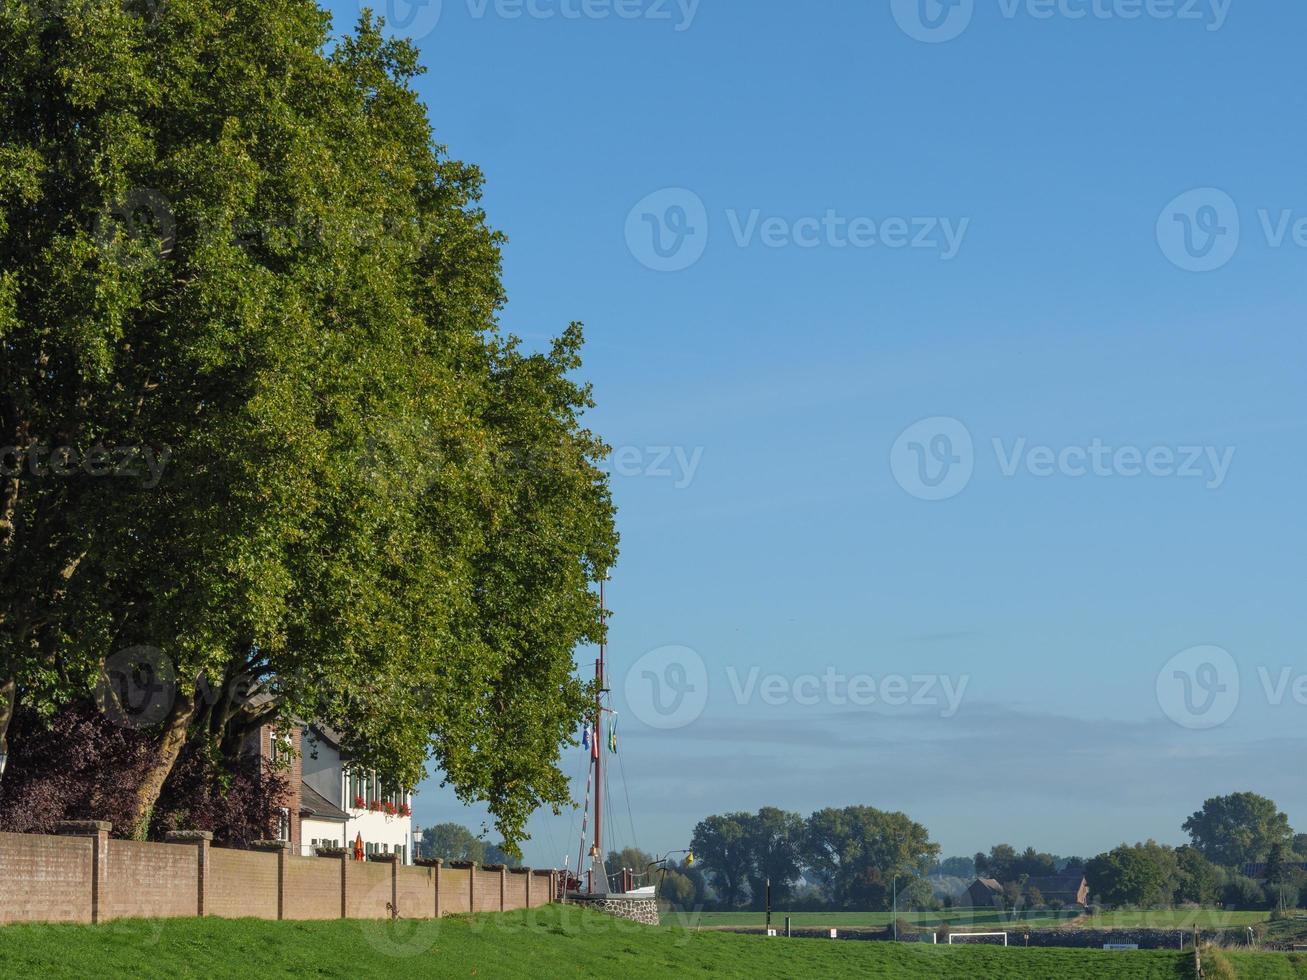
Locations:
626 789
571 824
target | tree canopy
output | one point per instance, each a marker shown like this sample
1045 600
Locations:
232 249
1238 828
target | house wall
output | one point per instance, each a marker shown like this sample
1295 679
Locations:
321 830
321 767
87 877
377 828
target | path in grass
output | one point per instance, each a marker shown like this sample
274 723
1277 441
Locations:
549 942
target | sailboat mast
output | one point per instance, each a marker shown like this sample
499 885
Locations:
599 720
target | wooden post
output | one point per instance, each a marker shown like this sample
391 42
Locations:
472 887
97 831
203 840
503 888
529 875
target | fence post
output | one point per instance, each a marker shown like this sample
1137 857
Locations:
203 840
97 831
503 887
439 865
529 875
472 887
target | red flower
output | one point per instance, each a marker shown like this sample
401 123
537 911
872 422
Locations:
359 803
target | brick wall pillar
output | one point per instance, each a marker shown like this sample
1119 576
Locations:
97 831
344 885
438 868
203 840
282 849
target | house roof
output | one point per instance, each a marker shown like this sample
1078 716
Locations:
1055 886
317 806
989 884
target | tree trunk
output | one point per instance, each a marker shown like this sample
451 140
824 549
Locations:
8 696
170 746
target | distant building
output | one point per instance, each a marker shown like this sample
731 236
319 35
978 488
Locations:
984 893
1065 890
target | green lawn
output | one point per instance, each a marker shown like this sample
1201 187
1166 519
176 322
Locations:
987 919
1256 966
551 942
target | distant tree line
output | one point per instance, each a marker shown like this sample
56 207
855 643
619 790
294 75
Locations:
850 858
839 858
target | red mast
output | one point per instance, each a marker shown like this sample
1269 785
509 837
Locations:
599 720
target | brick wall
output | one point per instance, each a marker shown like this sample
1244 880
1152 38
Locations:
486 891
515 890
86 877
416 890
312 888
542 884
45 879
369 890
454 891
242 884
150 881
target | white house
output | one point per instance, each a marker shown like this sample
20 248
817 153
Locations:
380 814
333 804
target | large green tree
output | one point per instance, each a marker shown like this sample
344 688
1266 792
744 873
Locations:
1145 874
232 247
721 846
1241 827
774 838
861 850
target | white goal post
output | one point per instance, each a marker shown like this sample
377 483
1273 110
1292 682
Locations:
975 935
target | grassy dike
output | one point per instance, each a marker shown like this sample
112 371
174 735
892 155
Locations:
549 942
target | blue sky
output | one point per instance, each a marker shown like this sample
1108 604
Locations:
826 255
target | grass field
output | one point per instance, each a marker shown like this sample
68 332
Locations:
549 942
988 919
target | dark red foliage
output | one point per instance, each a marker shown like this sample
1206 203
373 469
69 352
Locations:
78 766
238 800
83 766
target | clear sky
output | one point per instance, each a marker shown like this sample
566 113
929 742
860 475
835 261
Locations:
827 253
